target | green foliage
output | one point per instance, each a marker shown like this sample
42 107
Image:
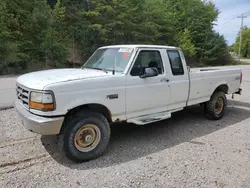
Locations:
216 51
53 47
10 56
185 42
245 47
29 35
45 34
59 13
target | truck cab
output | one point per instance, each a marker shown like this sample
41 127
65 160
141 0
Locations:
166 90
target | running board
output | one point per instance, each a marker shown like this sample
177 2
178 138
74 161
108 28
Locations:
143 120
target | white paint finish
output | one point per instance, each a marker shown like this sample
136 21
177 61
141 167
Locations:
139 46
147 94
203 83
91 91
179 84
143 95
137 97
38 80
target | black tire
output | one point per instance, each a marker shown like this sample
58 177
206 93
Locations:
212 111
73 125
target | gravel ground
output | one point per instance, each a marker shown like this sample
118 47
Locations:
184 151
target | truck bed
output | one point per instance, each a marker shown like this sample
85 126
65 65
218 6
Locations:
214 68
204 81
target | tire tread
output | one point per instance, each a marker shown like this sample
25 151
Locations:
209 106
87 115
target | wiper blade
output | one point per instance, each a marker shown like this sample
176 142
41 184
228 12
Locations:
101 69
95 68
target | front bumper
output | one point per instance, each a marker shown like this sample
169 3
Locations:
38 124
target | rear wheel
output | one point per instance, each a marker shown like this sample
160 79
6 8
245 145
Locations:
215 108
86 136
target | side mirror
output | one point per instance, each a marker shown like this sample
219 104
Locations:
150 72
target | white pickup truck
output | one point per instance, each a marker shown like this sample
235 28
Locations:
137 84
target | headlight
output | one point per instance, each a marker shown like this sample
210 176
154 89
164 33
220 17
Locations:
42 101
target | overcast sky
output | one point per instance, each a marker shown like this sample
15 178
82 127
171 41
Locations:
229 10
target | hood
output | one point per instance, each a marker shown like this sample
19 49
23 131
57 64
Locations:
38 80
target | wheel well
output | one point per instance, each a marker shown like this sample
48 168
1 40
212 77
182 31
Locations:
224 88
94 107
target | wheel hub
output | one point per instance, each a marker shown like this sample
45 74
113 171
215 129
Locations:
219 106
87 138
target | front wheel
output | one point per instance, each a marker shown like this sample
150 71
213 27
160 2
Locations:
86 136
215 108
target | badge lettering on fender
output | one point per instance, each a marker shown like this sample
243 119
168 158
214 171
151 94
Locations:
114 96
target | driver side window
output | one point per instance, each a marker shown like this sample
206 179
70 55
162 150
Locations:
147 59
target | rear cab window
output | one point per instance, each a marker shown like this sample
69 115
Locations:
175 62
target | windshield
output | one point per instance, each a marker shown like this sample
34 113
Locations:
110 59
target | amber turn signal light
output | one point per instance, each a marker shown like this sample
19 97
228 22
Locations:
40 106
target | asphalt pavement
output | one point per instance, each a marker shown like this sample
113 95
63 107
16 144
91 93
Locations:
7 91
245 60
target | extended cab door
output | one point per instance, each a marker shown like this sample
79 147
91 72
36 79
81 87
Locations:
178 79
146 96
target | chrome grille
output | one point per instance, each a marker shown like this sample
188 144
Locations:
23 95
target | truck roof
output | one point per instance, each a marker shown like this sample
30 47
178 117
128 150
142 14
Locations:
139 46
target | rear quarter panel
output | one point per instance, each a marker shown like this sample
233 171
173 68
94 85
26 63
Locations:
204 83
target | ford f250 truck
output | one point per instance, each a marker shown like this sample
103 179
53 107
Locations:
137 84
